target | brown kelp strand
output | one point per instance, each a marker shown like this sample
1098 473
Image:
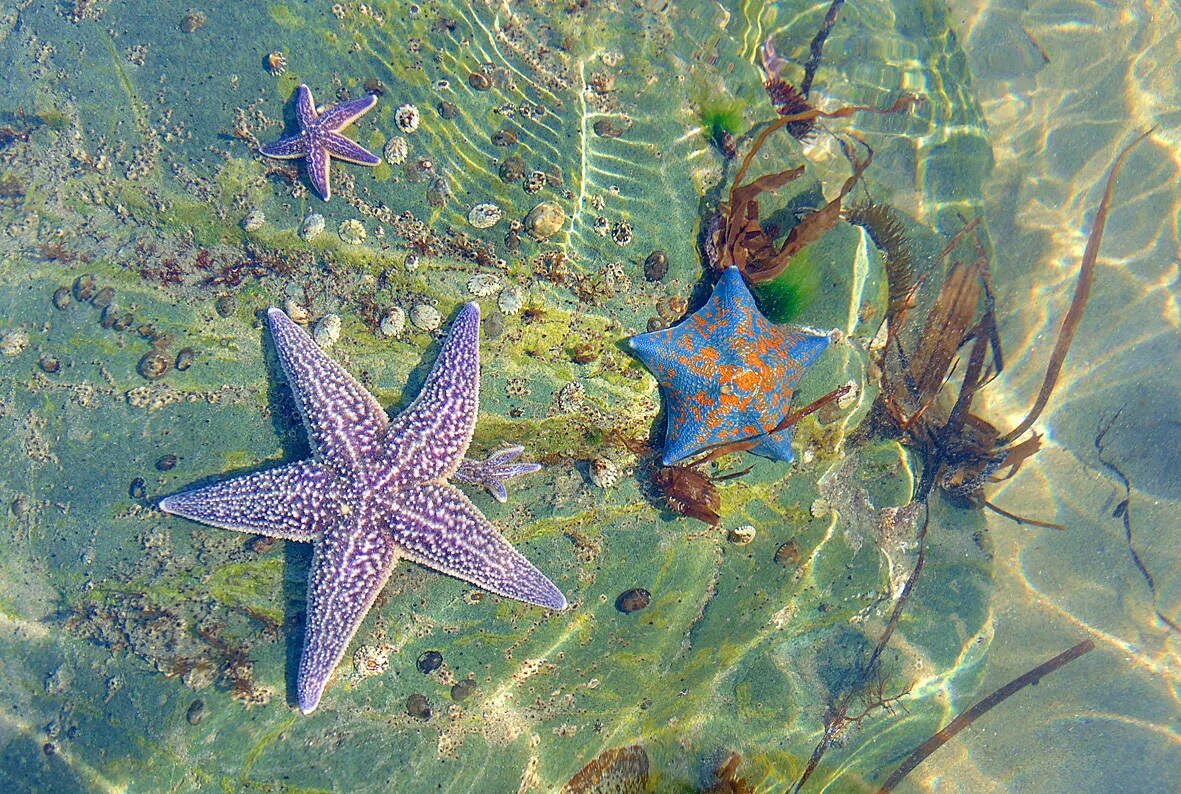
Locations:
979 709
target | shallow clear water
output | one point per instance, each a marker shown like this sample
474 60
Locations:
143 652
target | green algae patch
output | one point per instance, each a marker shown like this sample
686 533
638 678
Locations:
250 586
282 15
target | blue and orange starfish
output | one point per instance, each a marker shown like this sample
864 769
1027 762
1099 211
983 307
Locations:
727 373
375 491
319 138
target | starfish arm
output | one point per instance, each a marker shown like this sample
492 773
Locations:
344 423
428 439
342 148
286 148
337 117
435 525
294 502
305 107
350 565
318 163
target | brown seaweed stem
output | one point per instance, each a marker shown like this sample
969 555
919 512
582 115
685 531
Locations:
979 709
816 48
1078 303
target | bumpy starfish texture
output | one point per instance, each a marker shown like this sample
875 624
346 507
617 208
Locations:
375 491
727 373
319 138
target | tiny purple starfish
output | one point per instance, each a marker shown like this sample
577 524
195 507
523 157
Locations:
492 473
319 138
374 491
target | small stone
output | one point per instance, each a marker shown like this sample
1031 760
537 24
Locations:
483 284
740 536
352 231
438 192
534 182
61 298
297 313
254 220
393 322
103 298
448 110
185 358
312 226
418 706
633 600
407 118
225 305
166 462
607 128
510 301
504 137
370 660
49 748
192 22
138 488
429 661
479 81
584 353
512 169
425 317
49 364
485 216
603 472
327 331
196 712
656 266
788 554
397 149
545 220
85 287
462 690
154 365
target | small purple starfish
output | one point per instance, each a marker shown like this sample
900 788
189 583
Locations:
374 491
319 138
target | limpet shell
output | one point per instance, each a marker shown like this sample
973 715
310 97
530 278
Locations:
485 216
407 118
425 318
312 226
545 220
393 323
352 231
327 331
397 149
254 220
483 284
510 301
603 472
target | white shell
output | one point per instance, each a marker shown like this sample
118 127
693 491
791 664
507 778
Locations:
327 331
484 216
297 313
510 301
254 220
352 231
312 226
740 536
394 322
397 149
603 472
407 118
483 284
426 318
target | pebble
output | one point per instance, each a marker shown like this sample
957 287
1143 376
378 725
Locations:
425 318
512 169
394 322
225 305
166 462
656 266
84 287
633 600
504 137
483 284
607 128
438 192
254 220
448 110
185 358
788 554
479 81
352 231
510 301
397 149
327 331
603 472
740 536
297 313
154 365
13 343
485 216
61 298
312 226
462 690
407 118
138 488
196 712
103 298
418 706
49 364
429 662
545 220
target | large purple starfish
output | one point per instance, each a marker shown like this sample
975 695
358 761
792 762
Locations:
319 138
374 491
